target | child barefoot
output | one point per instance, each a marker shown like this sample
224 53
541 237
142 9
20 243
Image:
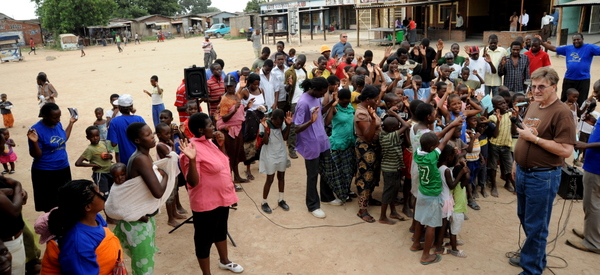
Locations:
8 155
5 110
163 148
391 163
273 156
100 122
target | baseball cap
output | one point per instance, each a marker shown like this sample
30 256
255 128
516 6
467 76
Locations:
449 55
474 49
230 80
125 100
206 36
325 48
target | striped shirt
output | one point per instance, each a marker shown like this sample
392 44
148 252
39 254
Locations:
181 101
216 89
474 155
392 158
504 135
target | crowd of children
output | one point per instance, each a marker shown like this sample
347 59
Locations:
437 144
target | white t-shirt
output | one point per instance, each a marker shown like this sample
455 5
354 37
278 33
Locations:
300 77
156 97
109 114
482 68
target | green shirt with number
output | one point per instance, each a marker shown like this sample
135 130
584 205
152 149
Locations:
430 180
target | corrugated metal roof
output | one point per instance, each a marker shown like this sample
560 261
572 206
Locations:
398 5
578 3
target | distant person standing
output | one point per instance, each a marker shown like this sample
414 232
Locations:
80 45
579 58
459 21
524 20
412 31
537 58
338 49
118 40
514 19
32 45
554 22
546 26
137 39
207 46
256 43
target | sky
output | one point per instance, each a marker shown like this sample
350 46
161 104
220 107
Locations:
25 9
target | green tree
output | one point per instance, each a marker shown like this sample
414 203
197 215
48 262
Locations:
194 6
212 9
64 16
252 5
137 8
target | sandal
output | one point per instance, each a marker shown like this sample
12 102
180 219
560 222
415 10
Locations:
443 252
233 267
238 188
364 215
438 258
474 205
249 176
458 253
4 172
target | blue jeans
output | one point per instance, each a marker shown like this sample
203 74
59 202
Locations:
156 109
491 89
535 195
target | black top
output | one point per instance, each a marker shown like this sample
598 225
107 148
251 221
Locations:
3 106
10 226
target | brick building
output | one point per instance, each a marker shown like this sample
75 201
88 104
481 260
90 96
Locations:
24 28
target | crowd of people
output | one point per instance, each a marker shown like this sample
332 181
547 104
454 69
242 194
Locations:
433 126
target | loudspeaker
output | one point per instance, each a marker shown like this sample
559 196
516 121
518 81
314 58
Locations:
195 82
571 184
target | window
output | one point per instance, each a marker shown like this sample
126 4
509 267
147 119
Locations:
444 11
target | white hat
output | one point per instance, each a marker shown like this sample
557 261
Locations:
125 100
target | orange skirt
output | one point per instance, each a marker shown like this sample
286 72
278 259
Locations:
9 120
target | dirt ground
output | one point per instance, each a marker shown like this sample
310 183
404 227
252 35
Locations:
291 242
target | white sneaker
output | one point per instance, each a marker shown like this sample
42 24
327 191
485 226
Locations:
319 213
335 202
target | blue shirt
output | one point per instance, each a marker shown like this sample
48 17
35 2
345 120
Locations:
579 60
338 49
311 142
78 248
209 75
555 15
422 94
592 156
117 133
52 142
235 74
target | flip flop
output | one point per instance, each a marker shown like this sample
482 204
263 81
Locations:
576 243
458 253
438 258
249 176
474 205
365 215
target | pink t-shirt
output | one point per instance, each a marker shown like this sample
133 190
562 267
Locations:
215 186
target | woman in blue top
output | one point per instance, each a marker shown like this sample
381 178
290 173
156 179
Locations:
79 241
47 145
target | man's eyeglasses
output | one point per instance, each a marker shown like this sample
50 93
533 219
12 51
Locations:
540 88
345 36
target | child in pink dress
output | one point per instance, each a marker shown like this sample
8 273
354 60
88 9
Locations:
8 155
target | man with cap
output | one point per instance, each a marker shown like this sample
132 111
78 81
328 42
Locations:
338 48
326 52
483 66
207 46
117 132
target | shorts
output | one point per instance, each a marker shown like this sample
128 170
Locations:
391 186
209 227
503 154
104 182
428 210
81 47
456 223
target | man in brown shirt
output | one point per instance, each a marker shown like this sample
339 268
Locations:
547 138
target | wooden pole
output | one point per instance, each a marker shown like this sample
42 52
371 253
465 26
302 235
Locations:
323 26
521 16
580 28
559 27
425 26
311 25
274 27
450 23
357 29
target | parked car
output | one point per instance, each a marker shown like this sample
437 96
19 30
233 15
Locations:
218 30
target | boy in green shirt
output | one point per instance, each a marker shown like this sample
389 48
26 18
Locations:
428 209
97 157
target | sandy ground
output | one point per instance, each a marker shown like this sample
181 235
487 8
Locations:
291 242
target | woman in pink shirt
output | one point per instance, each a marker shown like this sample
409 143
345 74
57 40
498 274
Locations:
211 192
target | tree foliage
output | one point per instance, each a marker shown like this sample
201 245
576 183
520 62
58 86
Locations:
212 9
64 16
137 8
252 5
194 6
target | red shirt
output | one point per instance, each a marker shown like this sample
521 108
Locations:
181 101
412 25
216 89
31 43
536 61
330 64
340 69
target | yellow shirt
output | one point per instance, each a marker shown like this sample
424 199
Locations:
326 73
353 98
504 134
496 56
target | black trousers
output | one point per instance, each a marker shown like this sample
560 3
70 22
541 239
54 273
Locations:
582 86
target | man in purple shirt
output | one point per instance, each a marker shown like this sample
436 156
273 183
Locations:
313 144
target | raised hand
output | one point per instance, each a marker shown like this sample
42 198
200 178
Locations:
498 115
371 112
188 149
467 62
422 49
288 118
370 68
263 122
388 52
290 80
475 73
488 59
440 45
32 135
467 50
503 61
